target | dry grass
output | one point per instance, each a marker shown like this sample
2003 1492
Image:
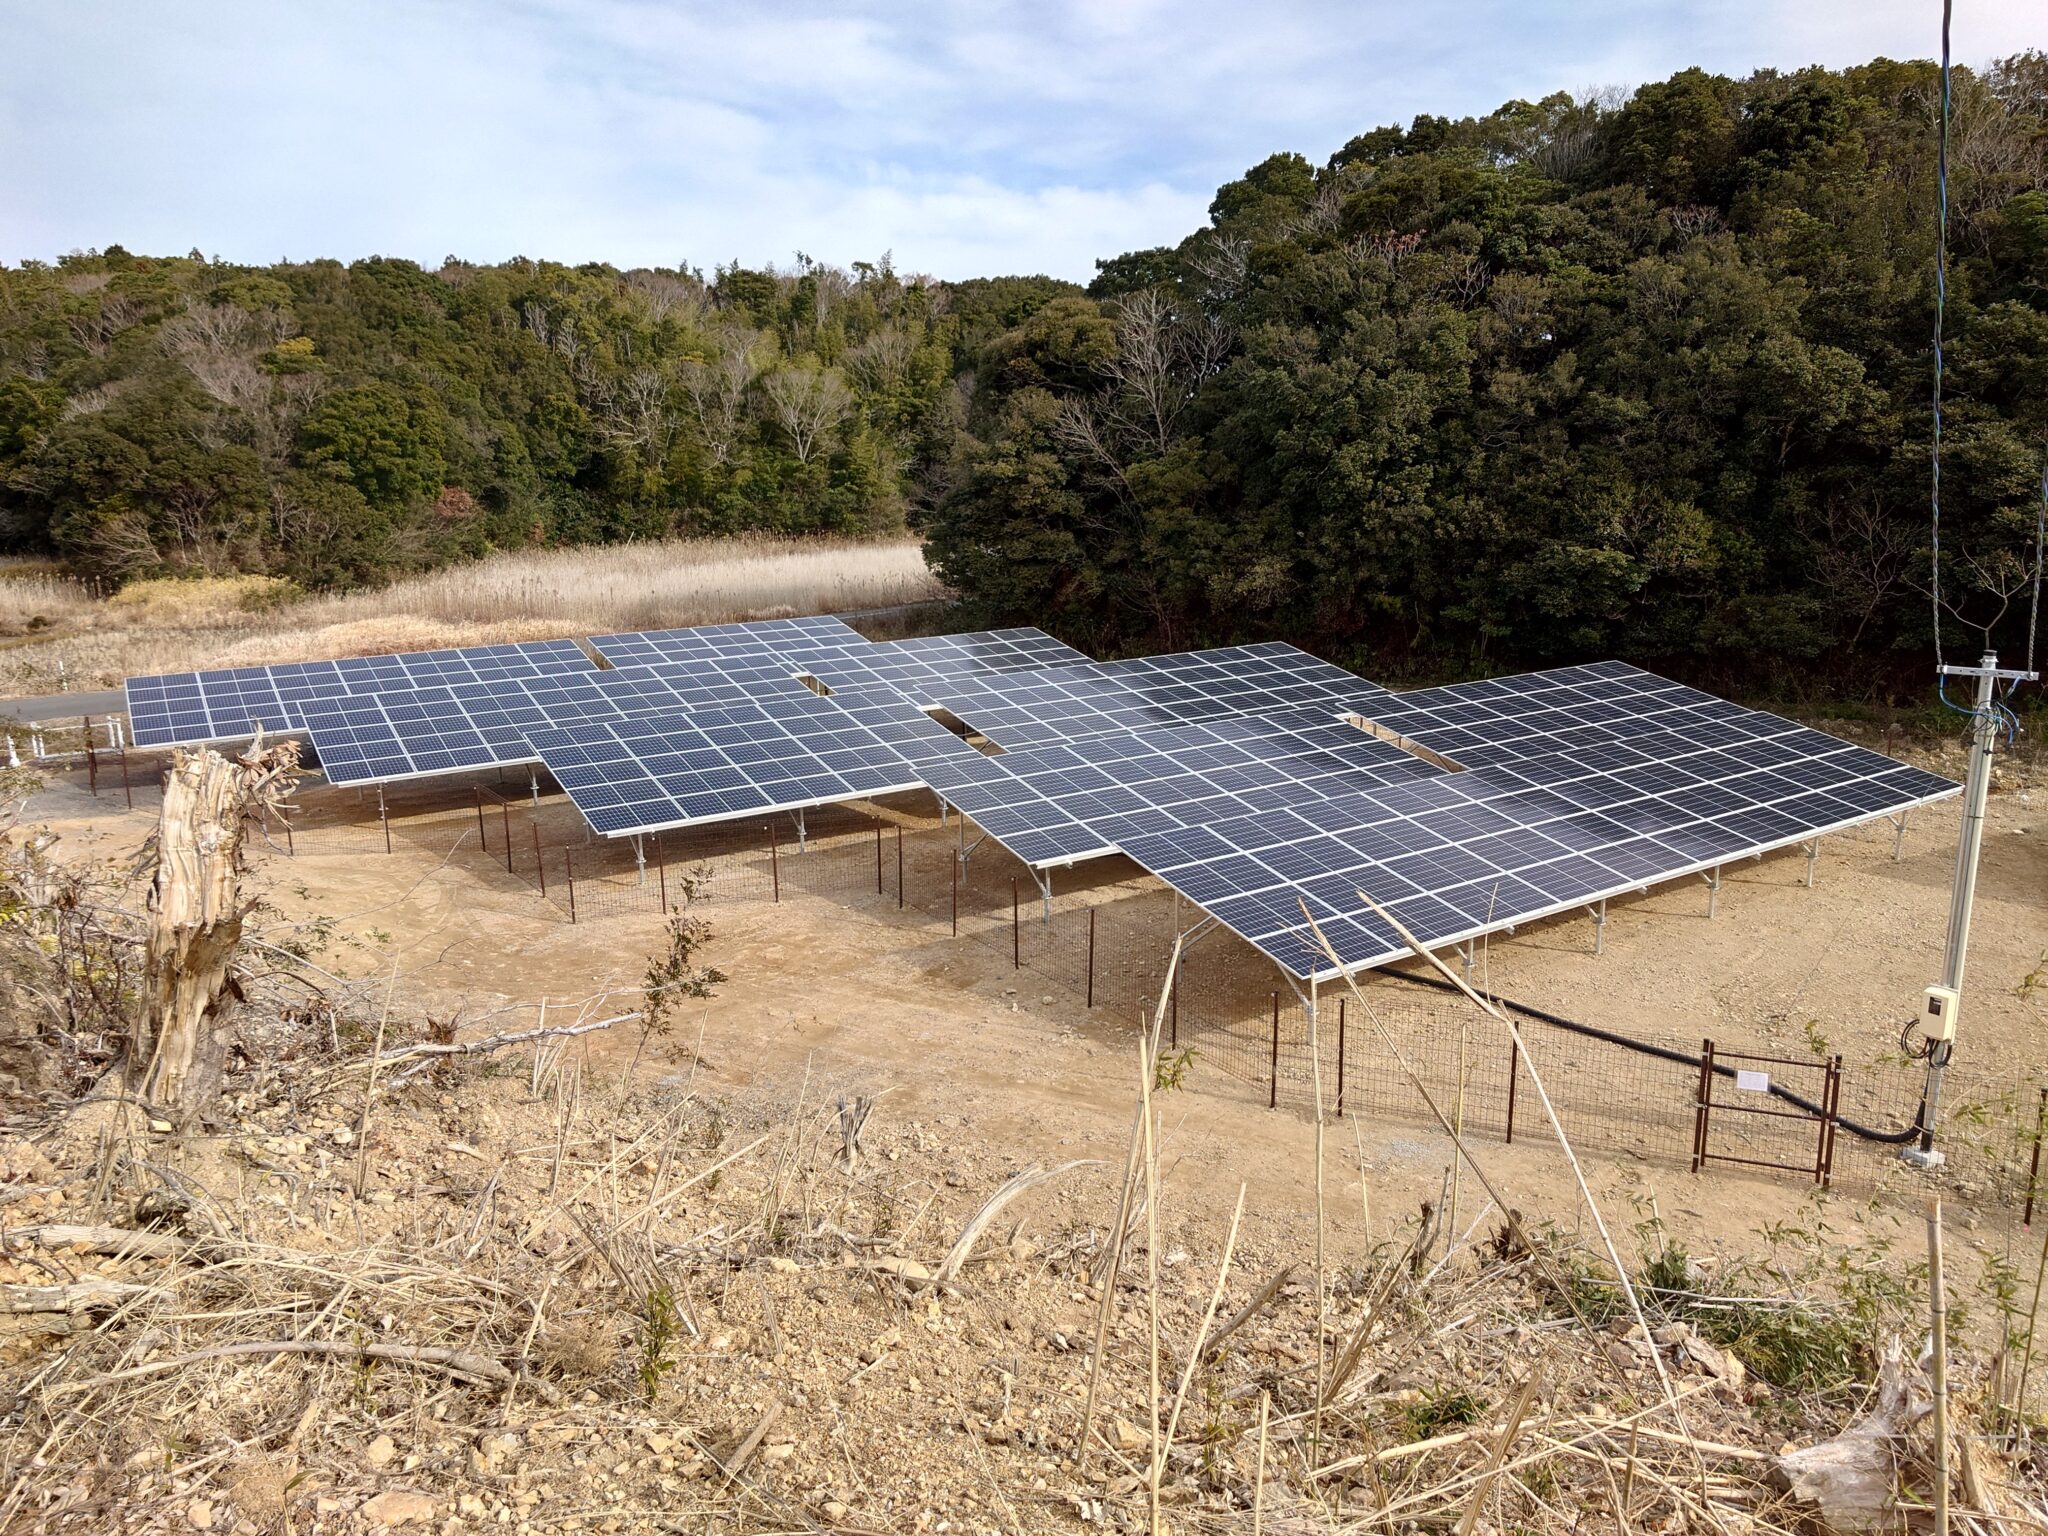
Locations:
166 626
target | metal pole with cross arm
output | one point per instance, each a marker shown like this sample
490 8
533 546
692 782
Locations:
1944 1000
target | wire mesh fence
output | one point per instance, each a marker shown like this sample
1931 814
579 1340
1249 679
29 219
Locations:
1096 939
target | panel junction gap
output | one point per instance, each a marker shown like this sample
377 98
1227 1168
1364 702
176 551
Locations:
1413 748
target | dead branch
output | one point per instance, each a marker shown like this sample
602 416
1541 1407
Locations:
433 1357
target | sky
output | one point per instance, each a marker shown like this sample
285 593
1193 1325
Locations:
963 139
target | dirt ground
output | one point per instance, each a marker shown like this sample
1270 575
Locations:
797 1367
835 993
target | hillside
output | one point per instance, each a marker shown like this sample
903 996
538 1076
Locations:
1645 377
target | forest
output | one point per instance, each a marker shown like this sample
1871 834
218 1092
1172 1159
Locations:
1643 374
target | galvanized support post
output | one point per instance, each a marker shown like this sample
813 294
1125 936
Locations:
1812 857
803 834
1899 842
639 861
1713 879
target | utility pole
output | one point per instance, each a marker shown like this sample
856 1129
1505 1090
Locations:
1945 1000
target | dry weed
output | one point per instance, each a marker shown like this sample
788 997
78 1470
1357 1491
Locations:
66 638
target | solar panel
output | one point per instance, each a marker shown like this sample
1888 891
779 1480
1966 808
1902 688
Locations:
1459 854
657 772
788 640
926 667
229 704
1036 708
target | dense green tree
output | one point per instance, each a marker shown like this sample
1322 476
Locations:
1645 377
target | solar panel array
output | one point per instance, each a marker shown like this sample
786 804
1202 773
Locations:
926 668
656 772
230 703
1673 782
1253 779
783 639
1063 703
416 733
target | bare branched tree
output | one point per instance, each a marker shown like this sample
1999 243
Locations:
808 403
669 293
881 364
719 390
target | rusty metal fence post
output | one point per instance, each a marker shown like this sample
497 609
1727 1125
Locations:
2034 1167
1514 1071
954 860
290 848
92 762
878 853
506 807
384 815
1273 1090
1016 931
1340 1058
539 864
775 861
899 866
1091 1003
661 873
483 839
1173 1010
127 789
1705 1102
569 868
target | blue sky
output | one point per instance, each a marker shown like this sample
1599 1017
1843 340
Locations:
964 138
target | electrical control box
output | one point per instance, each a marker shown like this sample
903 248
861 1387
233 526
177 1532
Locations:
1938 1020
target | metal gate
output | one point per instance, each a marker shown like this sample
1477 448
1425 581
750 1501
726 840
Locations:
1748 1088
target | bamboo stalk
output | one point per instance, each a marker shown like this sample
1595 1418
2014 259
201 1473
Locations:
1937 1312
1259 1478
1500 1451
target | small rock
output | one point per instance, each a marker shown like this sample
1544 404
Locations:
781 1264
199 1514
400 1506
1128 1436
379 1455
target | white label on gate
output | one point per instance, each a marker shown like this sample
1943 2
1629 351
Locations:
1753 1082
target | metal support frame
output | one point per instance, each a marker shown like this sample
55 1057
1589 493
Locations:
1713 879
1043 880
1599 916
802 832
640 859
1899 842
533 785
1812 857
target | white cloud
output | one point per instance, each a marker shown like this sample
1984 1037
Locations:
966 138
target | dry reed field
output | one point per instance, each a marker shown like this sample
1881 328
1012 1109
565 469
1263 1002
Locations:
55 633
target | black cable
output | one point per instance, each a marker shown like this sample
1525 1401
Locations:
1682 1058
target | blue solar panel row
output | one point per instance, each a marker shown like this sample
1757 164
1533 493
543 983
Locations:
230 704
1027 709
1251 778
656 772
